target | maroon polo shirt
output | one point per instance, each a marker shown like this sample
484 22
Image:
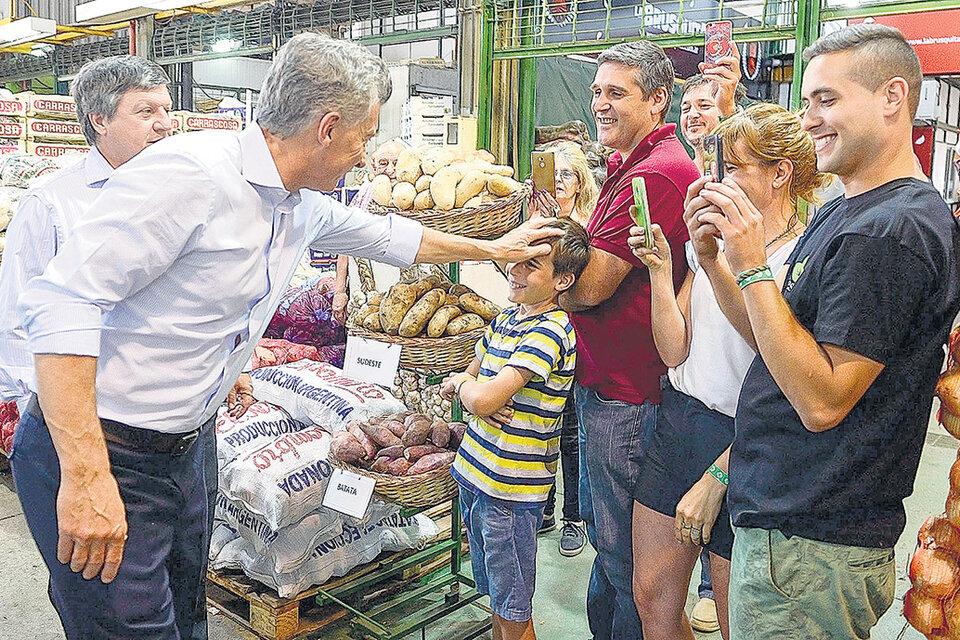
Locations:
616 356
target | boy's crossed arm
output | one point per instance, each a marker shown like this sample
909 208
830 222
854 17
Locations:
489 399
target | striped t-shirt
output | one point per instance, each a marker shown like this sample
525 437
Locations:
518 463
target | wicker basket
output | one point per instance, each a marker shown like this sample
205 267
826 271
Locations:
444 354
485 222
422 490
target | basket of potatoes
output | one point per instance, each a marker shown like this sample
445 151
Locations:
463 193
437 322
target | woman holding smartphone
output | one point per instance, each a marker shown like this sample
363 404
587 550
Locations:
706 341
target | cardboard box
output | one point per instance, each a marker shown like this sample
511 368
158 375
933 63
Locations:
208 122
12 146
13 108
49 106
12 129
55 130
53 149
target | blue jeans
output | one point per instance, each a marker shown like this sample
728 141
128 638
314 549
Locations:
613 436
154 596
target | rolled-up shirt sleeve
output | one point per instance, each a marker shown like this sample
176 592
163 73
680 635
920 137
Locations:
392 238
147 215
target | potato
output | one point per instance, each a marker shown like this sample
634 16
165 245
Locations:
469 186
472 303
424 285
372 322
473 202
459 289
434 160
423 201
419 314
403 195
380 190
375 299
431 462
502 185
464 323
438 323
423 183
451 300
443 188
502 170
417 433
395 306
408 166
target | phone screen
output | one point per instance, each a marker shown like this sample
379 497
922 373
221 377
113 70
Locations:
543 171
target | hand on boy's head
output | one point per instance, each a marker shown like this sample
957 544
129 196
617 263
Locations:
527 241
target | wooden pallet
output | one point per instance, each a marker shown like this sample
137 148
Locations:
259 608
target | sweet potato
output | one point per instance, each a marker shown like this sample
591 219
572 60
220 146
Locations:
346 448
457 431
440 433
396 451
438 323
472 303
380 464
501 185
469 186
431 462
417 451
398 467
396 428
380 434
419 314
417 433
415 417
380 190
464 323
369 446
408 166
395 306
404 194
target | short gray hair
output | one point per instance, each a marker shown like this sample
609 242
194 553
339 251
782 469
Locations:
880 53
100 84
312 75
653 67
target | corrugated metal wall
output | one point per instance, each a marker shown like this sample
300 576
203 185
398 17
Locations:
59 10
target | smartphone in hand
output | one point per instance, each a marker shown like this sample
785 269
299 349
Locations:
713 157
543 172
717 39
641 211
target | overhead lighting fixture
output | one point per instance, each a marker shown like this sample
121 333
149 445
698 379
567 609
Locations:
109 11
227 44
41 49
26 30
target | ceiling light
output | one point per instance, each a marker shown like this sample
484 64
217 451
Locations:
227 44
26 30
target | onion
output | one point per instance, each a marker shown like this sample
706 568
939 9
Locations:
953 507
939 533
934 573
948 390
924 614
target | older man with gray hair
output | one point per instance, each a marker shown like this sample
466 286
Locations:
142 322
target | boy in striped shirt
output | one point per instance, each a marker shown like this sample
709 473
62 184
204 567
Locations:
515 388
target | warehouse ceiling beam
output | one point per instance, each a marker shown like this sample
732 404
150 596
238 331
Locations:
405 37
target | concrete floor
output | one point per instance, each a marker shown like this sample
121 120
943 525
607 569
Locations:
25 611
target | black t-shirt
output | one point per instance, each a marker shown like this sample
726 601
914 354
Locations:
878 275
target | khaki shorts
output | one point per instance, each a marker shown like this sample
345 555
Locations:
800 589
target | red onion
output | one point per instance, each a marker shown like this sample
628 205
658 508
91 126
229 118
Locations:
934 573
937 532
923 613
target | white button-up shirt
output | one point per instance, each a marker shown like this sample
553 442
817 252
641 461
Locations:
175 272
45 216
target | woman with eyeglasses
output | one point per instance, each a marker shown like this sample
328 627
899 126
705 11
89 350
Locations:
703 335
576 196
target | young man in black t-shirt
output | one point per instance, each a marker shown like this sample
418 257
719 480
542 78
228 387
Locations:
833 412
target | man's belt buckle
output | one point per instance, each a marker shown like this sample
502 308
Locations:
183 444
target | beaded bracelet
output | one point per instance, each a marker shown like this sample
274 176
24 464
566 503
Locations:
764 274
751 272
719 474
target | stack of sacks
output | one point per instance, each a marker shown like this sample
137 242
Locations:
305 316
269 352
932 605
273 475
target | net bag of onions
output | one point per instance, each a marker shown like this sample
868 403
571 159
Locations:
932 605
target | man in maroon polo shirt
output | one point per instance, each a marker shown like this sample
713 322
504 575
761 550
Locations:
618 367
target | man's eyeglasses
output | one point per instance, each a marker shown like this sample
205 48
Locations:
565 175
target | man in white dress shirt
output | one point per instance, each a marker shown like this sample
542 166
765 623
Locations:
142 322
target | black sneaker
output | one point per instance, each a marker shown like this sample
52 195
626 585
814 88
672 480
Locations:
549 523
572 539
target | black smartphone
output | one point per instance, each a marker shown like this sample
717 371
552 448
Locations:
713 156
543 171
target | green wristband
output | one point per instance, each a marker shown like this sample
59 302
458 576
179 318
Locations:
764 274
719 474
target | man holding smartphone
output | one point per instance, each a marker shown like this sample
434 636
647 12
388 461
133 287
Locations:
833 412
618 367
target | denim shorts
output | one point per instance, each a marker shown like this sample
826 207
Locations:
503 551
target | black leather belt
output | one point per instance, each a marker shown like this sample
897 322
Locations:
174 444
